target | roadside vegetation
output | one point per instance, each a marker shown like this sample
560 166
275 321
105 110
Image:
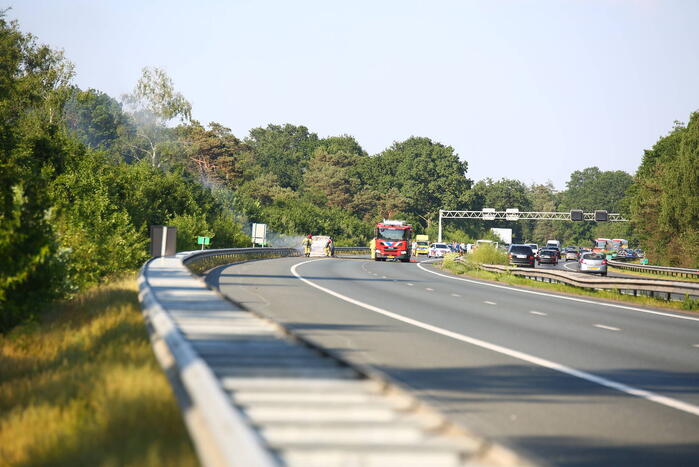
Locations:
470 267
80 386
84 174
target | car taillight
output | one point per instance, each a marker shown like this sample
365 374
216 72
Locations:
582 261
604 261
530 257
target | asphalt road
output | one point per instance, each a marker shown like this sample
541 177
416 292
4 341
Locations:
564 381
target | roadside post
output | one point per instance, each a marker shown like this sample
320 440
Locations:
163 241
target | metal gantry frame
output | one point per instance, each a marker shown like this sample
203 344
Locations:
516 215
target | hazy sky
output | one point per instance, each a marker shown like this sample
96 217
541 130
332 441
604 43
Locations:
520 89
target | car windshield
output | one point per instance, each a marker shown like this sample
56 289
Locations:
521 250
393 234
593 256
422 243
547 252
440 245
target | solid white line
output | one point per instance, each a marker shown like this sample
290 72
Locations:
562 297
489 303
566 266
538 313
609 328
642 393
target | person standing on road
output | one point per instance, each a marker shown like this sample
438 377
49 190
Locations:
307 245
329 247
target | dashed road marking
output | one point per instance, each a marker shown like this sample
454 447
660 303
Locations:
696 345
489 302
429 289
559 297
455 295
539 313
410 284
602 381
608 328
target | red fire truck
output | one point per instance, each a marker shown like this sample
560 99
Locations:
391 241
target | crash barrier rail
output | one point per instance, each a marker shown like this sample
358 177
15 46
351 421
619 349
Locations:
200 261
658 288
253 393
668 271
351 250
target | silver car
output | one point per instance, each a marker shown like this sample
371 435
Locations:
438 250
593 263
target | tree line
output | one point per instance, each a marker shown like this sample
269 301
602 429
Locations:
85 174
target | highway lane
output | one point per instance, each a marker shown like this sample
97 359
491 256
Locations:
547 414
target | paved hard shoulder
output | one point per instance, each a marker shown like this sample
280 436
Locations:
299 406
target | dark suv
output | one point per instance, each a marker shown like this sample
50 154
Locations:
521 255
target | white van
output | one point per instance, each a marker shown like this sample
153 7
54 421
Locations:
553 243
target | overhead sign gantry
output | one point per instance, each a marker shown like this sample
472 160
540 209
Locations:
514 214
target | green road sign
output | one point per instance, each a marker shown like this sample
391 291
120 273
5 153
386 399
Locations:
203 240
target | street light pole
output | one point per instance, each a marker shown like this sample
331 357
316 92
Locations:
439 234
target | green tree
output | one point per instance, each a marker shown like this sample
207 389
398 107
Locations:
428 175
33 87
99 122
501 195
283 151
664 202
213 153
592 189
153 104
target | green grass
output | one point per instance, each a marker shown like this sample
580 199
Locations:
652 275
81 387
471 269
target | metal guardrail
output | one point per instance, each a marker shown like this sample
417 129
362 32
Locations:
668 271
200 261
651 287
351 250
254 394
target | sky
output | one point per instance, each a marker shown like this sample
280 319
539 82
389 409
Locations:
530 90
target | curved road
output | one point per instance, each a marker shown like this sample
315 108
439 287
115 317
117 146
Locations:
563 380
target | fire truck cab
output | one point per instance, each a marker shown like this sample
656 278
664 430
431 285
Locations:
391 241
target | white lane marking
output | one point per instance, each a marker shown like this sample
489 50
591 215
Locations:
455 295
562 297
696 345
489 302
429 289
384 277
566 266
410 284
608 328
642 393
540 313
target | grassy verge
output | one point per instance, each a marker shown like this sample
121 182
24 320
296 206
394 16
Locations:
652 275
82 387
471 269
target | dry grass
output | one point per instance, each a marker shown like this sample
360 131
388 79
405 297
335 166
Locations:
469 270
82 387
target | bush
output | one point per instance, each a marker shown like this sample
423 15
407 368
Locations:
486 254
